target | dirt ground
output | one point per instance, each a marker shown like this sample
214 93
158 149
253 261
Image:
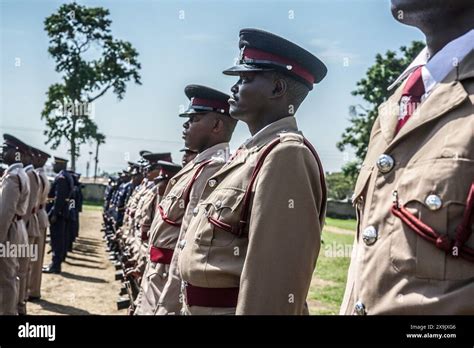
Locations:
87 283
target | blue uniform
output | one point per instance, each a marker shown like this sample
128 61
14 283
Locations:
59 208
75 207
125 190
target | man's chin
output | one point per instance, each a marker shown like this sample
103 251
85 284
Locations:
236 114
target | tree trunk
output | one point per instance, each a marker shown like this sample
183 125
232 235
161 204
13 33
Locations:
73 144
96 160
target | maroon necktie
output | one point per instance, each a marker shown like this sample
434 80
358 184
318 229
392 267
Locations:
411 97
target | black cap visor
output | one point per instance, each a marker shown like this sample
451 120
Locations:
239 68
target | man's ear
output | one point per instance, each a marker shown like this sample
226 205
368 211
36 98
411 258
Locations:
279 88
218 125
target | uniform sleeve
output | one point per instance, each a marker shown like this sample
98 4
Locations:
148 213
284 233
9 197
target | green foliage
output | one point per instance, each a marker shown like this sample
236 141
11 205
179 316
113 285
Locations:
373 90
90 62
339 186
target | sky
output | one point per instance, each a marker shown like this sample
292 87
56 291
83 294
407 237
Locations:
191 42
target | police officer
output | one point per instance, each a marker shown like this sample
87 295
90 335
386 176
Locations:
252 243
75 207
414 250
123 192
34 283
208 128
160 178
146 214
58 212
14 194
32 227
144 211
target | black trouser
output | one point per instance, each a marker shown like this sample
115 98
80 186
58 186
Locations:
72 227
58 236
76 227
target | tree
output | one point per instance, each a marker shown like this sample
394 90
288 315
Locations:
90 62
100 139
373 89
339 186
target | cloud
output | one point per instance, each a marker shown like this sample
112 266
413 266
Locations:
331 51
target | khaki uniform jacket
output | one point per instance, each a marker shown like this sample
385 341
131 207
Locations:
14 192
31 218
148 210
132 204
14 195
164 235
134 221
43 220
273 264
170 301
135 237
401 273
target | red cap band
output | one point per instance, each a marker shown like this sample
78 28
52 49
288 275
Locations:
252 53
215 104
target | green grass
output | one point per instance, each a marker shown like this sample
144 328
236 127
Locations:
349 224
325 294
92 206
94 203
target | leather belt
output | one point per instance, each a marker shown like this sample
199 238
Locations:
161 255
211 297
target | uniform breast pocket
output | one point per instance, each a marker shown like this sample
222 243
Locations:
223 211
173 205
156 280
434 192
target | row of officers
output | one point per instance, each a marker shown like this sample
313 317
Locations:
29 205
241 233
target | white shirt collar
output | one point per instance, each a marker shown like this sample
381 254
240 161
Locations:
218 152
438 67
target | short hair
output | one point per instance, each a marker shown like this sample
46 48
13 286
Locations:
296 90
